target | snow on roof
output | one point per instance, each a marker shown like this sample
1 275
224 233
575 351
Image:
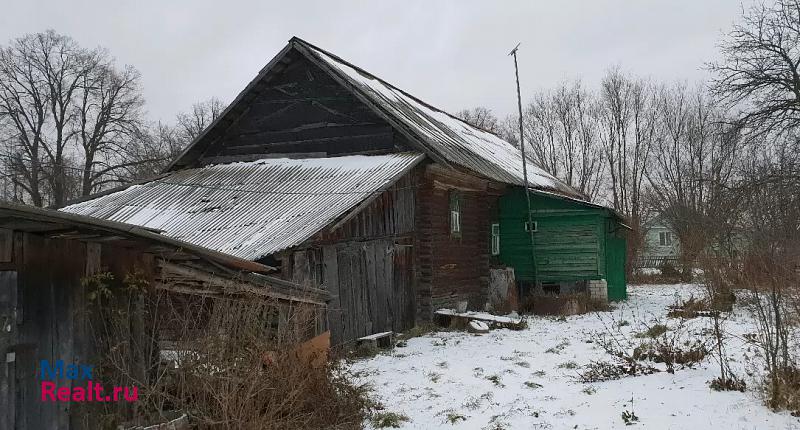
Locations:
251 209
449 137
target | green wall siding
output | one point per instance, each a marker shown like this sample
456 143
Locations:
615 262
574 242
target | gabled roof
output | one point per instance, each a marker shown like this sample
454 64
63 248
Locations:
443 137
251 209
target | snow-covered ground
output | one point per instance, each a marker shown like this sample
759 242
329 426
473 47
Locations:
527 379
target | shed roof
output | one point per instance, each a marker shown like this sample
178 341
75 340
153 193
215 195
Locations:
233 274
443 137
251 209
67 225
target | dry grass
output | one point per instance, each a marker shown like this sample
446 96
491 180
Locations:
565 304
230 363
785 395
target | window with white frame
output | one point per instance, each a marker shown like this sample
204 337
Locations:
455 214
665 238
535 226
495 239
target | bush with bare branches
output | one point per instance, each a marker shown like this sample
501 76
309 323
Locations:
226 362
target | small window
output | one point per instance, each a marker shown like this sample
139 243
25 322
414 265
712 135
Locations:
665 238
455 214
495 239
455 222
535 226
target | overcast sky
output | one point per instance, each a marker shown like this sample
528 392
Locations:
452 54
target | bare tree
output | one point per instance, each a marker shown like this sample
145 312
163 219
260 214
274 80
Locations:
759 69
108 110
24 102
64 110
156 145
561 127
202 114
540 125
627 132
693 163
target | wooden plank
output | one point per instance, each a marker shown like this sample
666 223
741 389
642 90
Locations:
345 291
331 276
383 287
93 258
220 159
6 245
378 340
493 320
8 337
374 307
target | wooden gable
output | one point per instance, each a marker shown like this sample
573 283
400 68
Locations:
302 112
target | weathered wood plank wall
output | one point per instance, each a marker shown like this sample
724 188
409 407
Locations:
367 264
300 111
49 297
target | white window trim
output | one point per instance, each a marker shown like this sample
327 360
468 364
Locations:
455 221
535 226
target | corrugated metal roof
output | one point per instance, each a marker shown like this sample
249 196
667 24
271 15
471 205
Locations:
70 226
251 209
445 135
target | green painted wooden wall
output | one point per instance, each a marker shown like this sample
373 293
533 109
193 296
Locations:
574 242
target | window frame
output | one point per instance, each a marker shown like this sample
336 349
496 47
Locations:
455 208
495 239
527 228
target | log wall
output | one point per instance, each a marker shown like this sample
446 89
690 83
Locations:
453 268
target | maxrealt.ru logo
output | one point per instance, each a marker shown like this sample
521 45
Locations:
61 383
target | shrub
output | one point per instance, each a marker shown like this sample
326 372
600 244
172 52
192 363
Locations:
568 365
629 418
669 271
730 383
653 331
784 394
387 420
234 362
599 371
454 418
418 331
689 308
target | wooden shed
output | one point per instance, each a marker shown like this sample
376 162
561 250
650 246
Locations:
45 258
574 243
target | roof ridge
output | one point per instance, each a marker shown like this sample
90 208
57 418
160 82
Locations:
389 84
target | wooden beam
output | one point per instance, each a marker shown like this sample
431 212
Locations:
220 159
233 286
445 177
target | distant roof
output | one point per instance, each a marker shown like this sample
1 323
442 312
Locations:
251 209
445 138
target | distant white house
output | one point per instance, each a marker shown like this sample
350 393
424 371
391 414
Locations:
661 244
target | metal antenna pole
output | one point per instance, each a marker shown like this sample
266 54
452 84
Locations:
513 53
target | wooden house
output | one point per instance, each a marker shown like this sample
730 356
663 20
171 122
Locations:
45 257
345 183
